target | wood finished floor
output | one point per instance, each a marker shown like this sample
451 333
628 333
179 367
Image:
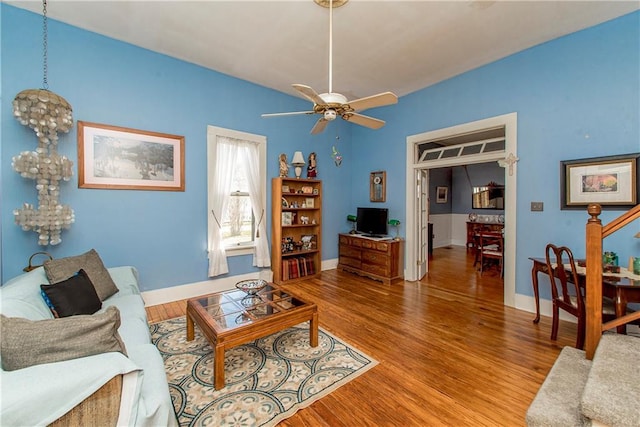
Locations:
450 353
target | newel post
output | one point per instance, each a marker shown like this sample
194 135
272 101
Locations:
594 280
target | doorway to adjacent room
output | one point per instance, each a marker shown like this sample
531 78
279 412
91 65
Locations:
493 139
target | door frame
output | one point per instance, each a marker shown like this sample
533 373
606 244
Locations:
507 158
422 218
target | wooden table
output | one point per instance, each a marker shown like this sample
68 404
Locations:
539 266
621 290
230 318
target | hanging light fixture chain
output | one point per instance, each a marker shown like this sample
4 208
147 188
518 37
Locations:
45 68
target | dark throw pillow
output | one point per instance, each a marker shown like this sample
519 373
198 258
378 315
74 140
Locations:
73 296
60 269
27 342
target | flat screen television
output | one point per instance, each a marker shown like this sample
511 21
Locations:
372 222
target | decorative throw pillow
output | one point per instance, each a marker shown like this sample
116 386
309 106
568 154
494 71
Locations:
60 269
25 343
47 301
73 296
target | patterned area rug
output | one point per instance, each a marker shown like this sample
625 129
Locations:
267 380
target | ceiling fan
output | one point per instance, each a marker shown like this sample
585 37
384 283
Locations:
331 105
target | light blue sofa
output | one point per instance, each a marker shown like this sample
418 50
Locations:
39 395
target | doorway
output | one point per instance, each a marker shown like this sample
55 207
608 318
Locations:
458 155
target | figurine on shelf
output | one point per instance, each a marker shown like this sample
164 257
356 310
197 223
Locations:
284 167
311 169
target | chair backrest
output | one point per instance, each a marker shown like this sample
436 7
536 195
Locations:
564 279
491 244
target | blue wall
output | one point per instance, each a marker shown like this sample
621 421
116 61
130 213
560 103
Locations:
460 180
577 96
163 234
440 177
479 175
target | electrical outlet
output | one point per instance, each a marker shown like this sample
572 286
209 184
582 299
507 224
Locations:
537 206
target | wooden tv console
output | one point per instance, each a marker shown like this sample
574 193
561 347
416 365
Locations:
377 259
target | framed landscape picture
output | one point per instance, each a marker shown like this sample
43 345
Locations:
610 181
117 158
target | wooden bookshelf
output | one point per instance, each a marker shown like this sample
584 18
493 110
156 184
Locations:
296 228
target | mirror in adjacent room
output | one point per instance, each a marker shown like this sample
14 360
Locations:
490 196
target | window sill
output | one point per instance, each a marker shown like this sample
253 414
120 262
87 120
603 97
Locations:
242 250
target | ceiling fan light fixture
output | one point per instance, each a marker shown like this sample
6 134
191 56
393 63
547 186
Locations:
333 98
330 115
330 105
327 3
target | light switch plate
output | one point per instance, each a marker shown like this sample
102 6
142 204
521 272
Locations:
537 206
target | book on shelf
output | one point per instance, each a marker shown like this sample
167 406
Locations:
296 267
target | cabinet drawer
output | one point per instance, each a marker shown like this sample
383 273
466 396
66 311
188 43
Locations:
348 251
376 258
352 262
382 246
379 270
355 242
378 246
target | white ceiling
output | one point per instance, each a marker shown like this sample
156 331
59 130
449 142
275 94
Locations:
398 46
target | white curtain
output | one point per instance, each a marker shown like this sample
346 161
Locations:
226 155
251 154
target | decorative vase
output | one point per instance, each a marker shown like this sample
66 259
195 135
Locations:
610 258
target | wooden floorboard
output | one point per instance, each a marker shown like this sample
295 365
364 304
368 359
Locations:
450 352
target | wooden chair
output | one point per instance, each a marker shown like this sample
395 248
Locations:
490 247
567 292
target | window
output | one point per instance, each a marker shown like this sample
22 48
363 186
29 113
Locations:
236 173
238 220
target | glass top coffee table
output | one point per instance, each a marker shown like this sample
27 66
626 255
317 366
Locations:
235 317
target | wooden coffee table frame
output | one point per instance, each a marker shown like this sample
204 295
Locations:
222 338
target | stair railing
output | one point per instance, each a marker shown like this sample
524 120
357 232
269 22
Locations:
595 232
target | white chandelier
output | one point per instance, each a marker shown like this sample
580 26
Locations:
47 114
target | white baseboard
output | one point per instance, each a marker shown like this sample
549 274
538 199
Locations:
528 303
330 264
192 290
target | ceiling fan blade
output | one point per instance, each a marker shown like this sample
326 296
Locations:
361 120
309 93
293 113
379 100
319 126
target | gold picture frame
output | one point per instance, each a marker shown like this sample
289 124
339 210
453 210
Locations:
378 186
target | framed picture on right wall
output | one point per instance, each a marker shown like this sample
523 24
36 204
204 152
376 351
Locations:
610 181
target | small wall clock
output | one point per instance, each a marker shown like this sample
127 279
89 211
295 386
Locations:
378 186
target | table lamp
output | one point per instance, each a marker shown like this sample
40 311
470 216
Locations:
352 219
298 162
395 223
